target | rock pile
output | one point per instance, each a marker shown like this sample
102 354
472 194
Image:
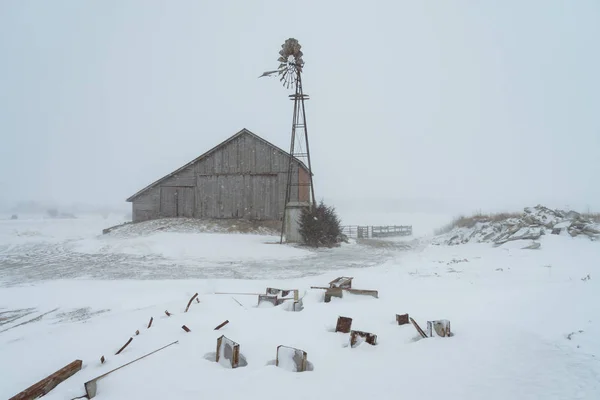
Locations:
531 225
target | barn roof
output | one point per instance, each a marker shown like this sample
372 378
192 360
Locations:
209 152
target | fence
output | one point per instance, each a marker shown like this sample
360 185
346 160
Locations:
365 232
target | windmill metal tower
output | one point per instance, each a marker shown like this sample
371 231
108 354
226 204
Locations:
289 71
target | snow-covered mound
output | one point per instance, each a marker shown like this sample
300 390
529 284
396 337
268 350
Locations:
192 225
531 225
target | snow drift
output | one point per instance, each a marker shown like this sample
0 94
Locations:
531 225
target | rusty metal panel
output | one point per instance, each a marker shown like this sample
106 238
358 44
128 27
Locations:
229 350
295 357
439 328
344 325
402 319
357 337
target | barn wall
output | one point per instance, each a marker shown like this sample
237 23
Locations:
246 178
146 205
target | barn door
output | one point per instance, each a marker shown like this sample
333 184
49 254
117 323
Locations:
176 201
185 202
168 202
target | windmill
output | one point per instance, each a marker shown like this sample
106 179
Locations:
290 69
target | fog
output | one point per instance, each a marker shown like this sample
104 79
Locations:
450 106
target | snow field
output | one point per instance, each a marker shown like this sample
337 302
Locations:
511 310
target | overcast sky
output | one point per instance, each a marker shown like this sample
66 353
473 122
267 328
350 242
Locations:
483 106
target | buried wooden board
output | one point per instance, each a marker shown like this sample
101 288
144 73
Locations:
344 325
290 358
44 386
418 328
228 352
269 298
339 292
357 337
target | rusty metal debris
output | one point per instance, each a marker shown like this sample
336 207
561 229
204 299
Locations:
344 324
102 359
168 313
228 350
439 328
44 386
418 328
185 328
125 345
150 323
91 386
298 358
195 296
357 337
222 324
402 319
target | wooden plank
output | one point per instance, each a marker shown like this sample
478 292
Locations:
418 328
50 382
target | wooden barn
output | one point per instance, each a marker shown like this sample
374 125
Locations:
243 177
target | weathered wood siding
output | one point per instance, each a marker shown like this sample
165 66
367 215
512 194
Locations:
245 178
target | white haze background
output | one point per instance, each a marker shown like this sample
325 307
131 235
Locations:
415 106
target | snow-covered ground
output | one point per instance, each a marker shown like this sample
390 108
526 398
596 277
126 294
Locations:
525 322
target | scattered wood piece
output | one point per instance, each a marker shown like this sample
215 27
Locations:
298 358
344 324
185 328
418 328
44 386
402 319
242 294
284 293
373 293
229 350
357 337
137 333
333 292
195 296
269 298
150 323
91 386
102 359
339 292
439 328
168 313
197 300
344 282
125 345
222 324
241 305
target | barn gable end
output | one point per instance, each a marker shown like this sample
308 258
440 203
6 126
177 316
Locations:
243 177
